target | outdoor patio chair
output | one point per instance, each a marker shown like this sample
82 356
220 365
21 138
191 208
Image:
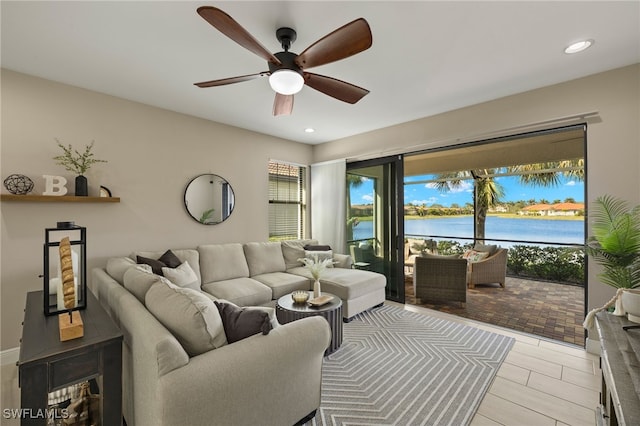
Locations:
491 270
414 247
365 258
440 279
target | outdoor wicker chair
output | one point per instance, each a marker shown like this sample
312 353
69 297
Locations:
491 270
440 279
415 247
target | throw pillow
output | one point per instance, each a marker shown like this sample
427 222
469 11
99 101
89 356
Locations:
156 265
491 249
317 247
292 250
240 323
182 276
473 256
167 260
170 259
189 315
321 255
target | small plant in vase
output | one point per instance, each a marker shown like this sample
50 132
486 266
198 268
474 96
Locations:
79 163
316 268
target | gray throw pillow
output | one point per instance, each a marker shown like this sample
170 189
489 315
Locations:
189 315
240 323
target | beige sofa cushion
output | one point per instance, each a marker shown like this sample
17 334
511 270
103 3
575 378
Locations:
221 262
189 315
292 250
282 283
264 258
117 266
138 280
241 291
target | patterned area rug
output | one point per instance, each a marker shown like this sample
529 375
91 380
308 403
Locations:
397 367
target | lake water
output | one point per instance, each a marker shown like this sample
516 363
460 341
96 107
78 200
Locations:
536 230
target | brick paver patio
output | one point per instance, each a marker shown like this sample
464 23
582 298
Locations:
546 309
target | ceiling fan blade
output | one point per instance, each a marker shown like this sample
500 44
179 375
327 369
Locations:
229 27
335 88
282 104
231 80
346 41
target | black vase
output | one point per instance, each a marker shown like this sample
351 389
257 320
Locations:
82 188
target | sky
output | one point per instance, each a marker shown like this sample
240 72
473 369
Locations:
419 194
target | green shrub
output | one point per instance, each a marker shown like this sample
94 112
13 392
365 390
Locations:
559 264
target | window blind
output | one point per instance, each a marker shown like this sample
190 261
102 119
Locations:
287 201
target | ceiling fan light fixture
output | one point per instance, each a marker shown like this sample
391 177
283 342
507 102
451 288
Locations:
578 46
286 82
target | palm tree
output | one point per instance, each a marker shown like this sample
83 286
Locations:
353 181
488 192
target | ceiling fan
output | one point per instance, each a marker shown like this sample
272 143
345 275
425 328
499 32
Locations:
287 71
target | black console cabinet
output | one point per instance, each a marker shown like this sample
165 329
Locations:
620 364
46 364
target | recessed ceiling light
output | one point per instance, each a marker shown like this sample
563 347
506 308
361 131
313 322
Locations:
309 130
578 46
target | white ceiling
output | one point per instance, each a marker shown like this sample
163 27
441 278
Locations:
427 57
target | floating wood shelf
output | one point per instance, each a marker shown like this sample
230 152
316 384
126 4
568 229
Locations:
58 199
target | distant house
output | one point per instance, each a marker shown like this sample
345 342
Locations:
559 209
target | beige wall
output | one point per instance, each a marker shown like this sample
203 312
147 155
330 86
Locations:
152 154
613 146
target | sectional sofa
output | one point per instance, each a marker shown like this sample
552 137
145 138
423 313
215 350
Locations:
262 379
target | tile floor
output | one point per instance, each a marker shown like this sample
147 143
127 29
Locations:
546 309
541 382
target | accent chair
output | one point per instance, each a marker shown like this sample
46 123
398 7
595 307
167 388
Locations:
440 278
491 270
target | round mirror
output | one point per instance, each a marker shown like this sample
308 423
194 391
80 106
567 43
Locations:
209 199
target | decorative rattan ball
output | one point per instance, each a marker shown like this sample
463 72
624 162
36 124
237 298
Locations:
18 184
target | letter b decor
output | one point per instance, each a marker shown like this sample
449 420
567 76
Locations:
54 185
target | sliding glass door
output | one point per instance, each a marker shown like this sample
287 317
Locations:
375 219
